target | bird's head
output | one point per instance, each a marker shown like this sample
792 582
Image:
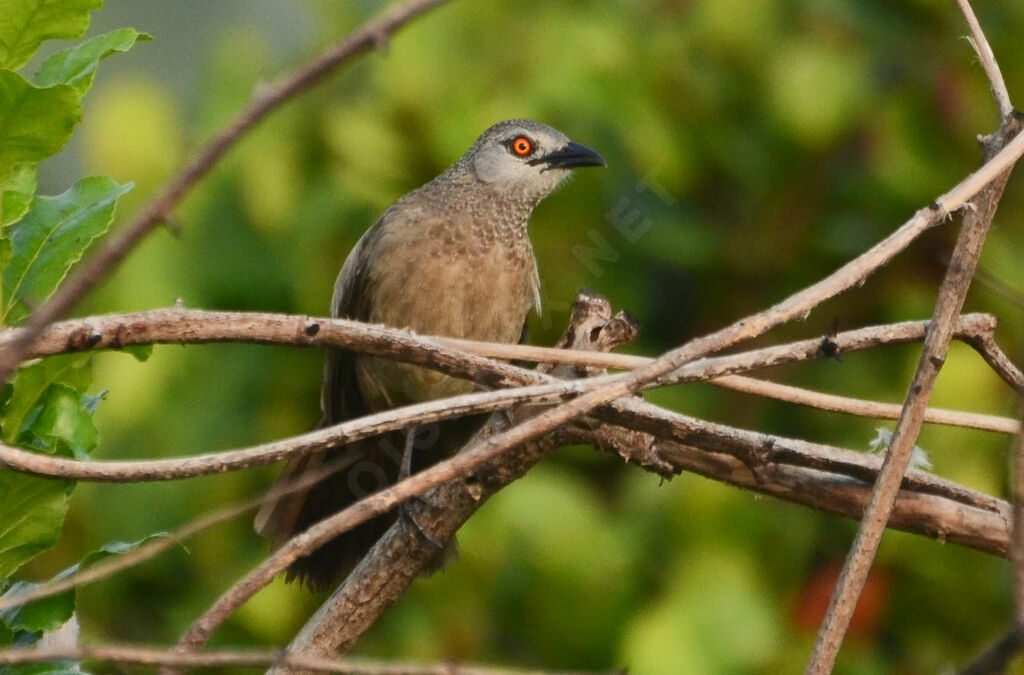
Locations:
520 157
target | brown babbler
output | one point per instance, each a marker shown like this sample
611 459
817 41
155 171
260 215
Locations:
451 258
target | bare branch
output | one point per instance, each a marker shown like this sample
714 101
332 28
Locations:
988 61
855 406
156 656
952 293
986 346
181 326
268 453
192 326
264 101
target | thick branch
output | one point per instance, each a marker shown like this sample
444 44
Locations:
264 101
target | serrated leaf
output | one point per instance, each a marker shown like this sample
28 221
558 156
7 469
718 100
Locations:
32 512
64 417
50 613
34 123
26 24
76 66
51 237
31 382
17 190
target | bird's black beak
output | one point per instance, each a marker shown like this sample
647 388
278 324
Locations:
570 156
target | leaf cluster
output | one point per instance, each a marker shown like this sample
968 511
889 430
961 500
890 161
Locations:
46 406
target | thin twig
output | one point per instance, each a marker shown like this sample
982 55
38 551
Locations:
140 655
953 291
988 61
986 346
264 101
863 408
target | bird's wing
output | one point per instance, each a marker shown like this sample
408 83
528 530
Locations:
340 398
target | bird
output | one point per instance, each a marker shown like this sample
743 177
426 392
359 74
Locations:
451 258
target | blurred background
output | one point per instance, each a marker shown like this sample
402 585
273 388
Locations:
753 147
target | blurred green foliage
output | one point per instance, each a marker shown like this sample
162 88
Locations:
753 147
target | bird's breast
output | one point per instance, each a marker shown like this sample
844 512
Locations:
468 288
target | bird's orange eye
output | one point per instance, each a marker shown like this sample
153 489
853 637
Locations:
522 146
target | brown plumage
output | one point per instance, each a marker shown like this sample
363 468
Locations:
451 258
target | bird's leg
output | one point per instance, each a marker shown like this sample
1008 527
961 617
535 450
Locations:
405 468
404 471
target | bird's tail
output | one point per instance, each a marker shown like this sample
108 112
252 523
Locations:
326 483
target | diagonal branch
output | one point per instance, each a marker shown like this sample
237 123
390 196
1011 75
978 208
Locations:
264 101
952 294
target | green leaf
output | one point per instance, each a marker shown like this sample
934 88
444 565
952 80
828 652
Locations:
140 352
77 66
51 237
34 123
32 511
31 383
17 190
65 417
25 24
50 613
43 615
